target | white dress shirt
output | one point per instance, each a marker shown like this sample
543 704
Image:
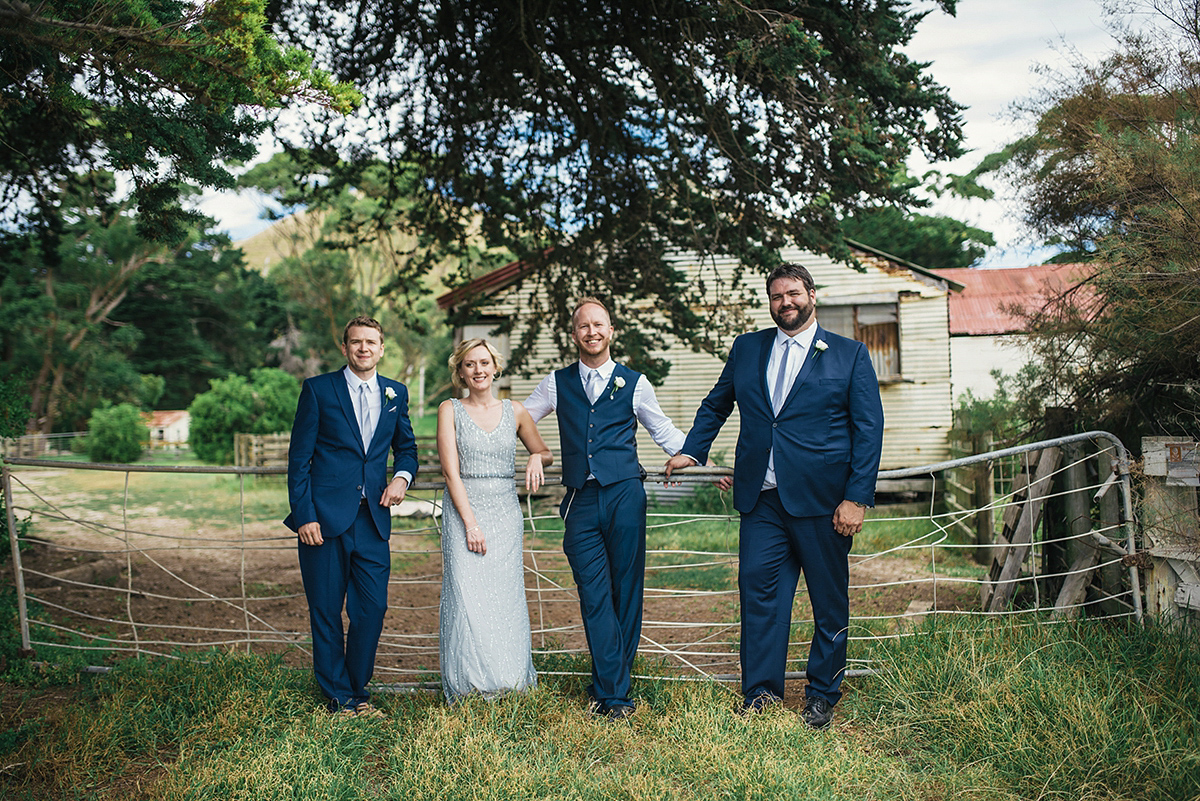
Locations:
374 403
544 399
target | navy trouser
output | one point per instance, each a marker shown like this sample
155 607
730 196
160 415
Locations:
351 569
605 543
774 549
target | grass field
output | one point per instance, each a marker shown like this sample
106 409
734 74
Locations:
1080 711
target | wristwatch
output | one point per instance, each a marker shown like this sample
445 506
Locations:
860 505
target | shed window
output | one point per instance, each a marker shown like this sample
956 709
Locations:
876 325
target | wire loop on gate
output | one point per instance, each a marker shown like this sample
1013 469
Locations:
700 657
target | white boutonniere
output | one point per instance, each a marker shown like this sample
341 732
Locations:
821 345
618 382
389 393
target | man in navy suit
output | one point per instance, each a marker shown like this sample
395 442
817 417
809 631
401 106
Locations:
346 423
598 404
804 473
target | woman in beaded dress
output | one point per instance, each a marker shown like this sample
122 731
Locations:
484 638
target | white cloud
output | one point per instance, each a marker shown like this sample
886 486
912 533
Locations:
986 57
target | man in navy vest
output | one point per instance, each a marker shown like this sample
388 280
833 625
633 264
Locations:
347 422
599 404
807 456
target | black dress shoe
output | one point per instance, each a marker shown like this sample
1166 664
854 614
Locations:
818 713
619 713
752 706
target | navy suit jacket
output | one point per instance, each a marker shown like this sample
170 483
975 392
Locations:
828 436
328 468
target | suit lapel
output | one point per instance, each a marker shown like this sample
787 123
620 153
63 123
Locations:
810 359
383 411
764 360
343 395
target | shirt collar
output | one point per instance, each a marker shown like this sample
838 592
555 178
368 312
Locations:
352 380
804 339
606 370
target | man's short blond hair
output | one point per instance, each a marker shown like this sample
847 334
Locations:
589 300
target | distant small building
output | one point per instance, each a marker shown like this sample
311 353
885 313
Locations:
985 334
169 429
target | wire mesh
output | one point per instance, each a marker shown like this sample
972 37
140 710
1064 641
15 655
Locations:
170 561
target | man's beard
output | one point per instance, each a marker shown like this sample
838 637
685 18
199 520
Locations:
804 314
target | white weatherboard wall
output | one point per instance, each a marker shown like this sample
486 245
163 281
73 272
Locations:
974 358
917 408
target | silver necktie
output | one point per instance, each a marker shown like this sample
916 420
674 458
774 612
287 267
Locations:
595 386
781 377
364 410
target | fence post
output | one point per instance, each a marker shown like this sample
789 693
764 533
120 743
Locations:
1169 521
1112 577
985 496
18 573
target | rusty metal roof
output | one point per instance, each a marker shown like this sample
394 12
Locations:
165 417
980 308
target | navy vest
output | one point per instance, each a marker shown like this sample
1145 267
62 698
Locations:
599 439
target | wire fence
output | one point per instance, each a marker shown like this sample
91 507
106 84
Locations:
167 561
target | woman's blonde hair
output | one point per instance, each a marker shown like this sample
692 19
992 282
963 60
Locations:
460 353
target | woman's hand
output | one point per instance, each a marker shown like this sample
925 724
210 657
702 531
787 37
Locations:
535 475
475 540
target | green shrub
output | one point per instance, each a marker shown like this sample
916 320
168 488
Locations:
265 404
117 434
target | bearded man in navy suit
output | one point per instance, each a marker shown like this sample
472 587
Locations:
804 473
346 423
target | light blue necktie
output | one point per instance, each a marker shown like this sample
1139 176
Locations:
595 385
364 412
781 377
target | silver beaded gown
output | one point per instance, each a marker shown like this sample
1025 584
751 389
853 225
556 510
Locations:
484 640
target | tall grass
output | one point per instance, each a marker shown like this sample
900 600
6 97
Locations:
1084 710
991 711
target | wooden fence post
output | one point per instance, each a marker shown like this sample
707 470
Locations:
1113 578
985 496
1078 555
971 488
1169 523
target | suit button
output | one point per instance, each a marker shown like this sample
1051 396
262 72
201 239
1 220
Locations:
774 425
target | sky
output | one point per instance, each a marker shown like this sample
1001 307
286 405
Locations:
985 55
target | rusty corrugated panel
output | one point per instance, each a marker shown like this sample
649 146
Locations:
984 306
884 346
